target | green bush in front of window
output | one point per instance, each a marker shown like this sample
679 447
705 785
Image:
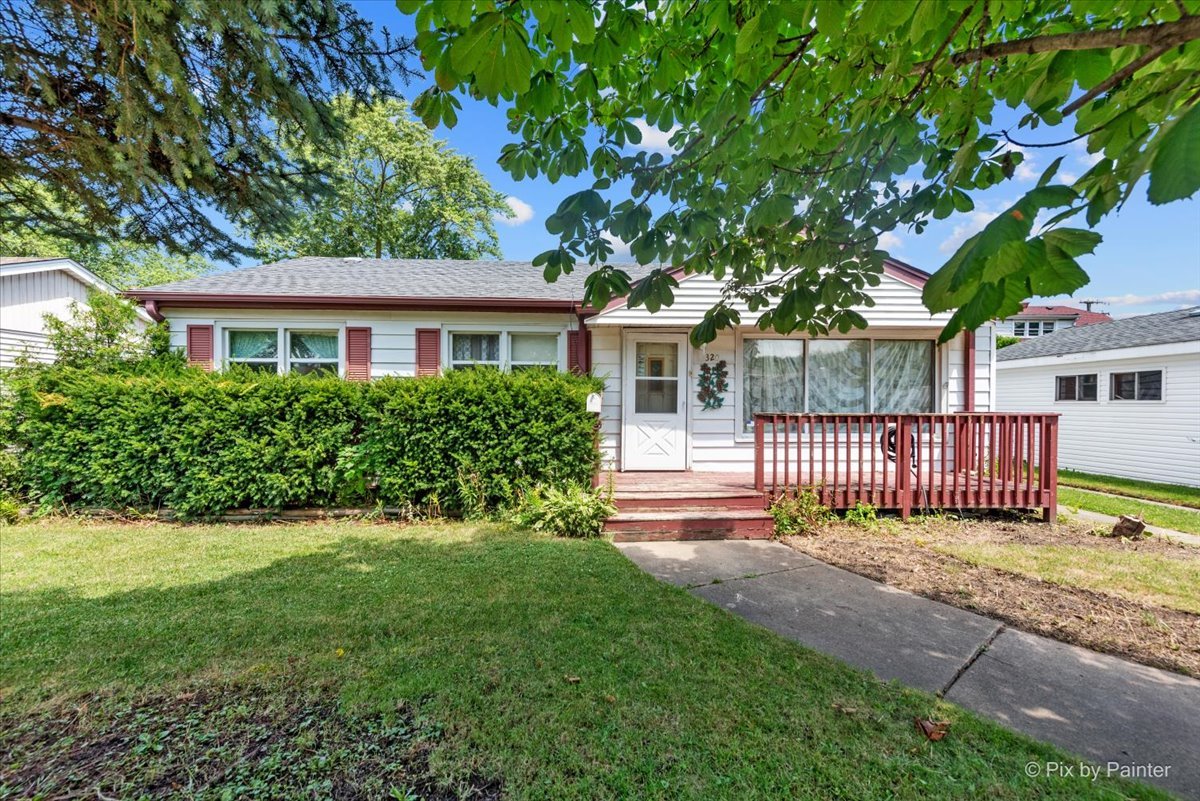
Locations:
201 443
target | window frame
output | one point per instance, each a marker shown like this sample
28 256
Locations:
282 361
741 433
1162 391
1078 379
453 364
505 333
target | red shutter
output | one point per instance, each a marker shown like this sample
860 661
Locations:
429 351
358 354
200 346
579 351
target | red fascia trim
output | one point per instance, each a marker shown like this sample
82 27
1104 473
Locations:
969 371
239 301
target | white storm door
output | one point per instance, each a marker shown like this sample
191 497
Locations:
655 402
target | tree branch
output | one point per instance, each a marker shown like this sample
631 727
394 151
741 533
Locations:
1112 80
1165 35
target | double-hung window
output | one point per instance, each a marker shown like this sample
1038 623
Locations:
474 350
1075 387
516 350
257 349
283 350
527 351
1143 385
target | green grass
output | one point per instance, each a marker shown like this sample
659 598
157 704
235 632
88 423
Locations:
1136 575
555 666
1150 490
1184 520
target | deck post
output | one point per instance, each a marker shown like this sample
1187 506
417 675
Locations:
759 456
1050 468
904 465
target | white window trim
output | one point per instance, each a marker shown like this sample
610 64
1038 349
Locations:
504 332
1054 389
739 357
1107 391
221 329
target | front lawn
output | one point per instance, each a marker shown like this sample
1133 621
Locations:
1136 599
1177 519
1151 490
470 658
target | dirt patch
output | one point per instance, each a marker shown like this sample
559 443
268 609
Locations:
246 741
902 557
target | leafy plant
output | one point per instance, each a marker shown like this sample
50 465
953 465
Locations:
862 515
101 334
1003 341
10 510
799 514
570 511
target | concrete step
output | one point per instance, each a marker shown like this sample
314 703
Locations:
690 523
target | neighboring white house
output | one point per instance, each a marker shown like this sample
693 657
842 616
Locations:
367 318
1033 321
1128 392
31 288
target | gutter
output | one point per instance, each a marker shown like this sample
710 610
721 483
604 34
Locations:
155 302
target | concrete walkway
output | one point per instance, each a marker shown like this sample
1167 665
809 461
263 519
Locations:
1100 707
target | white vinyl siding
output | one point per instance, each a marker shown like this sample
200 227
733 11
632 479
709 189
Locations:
1149 440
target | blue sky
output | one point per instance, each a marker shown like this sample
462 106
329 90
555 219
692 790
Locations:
1149 260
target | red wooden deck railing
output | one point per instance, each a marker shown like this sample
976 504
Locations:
911 461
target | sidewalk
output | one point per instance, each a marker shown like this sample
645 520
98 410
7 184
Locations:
1100 707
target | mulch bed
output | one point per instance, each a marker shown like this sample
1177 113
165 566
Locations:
248 741
1146 633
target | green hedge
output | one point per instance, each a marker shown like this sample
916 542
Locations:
201 444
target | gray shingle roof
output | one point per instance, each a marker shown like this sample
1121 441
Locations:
391 278
1181 325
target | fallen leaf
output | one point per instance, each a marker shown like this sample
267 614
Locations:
571 679
933 730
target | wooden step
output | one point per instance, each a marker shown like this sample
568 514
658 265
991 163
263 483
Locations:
690 523
631 501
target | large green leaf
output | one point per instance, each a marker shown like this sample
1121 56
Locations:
1175 173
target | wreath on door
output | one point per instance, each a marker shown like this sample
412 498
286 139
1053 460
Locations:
714 383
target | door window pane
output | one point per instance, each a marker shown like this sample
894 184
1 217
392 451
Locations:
773 380
837 375
533 349
656 378
903 376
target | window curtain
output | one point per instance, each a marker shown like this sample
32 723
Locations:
253 344
476 348
903 376
774 379
837 375
314 346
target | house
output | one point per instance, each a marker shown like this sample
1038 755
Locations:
1128 392
31 288
1034 321
666 406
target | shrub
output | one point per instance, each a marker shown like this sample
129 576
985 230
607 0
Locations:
203 443
573 511
10 510
799 514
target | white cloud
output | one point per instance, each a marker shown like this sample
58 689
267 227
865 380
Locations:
1085 158
620 249
971 223
891 241
522 212
1067 177
654 139
1181 296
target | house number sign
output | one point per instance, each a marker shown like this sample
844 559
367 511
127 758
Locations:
714 381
